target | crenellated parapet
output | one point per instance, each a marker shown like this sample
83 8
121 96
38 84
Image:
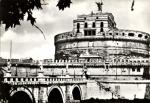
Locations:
63 63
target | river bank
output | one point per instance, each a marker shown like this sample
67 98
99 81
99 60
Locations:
92 100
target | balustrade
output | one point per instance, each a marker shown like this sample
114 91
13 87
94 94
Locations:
36 80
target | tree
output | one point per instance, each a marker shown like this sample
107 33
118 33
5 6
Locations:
13 11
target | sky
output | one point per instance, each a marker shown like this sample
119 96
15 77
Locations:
27 41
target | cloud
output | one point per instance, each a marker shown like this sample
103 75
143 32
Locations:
8 35
41 52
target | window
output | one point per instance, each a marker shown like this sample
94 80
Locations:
146 37
138 69
133 69
123 34
32 79
24 79
78 30
19 79
89 32
94 32
78 25
131 34
110 33
85 25
14 79
85 32
102 30
102 25
8 79
140 35
107 66
93 25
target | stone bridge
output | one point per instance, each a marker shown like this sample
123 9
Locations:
46 89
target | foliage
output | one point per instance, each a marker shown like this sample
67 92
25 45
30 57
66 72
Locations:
4 91
62 4
13 11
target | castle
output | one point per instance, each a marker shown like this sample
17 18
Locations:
105 49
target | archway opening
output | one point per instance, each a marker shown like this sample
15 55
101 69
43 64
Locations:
55 96
76 94
20 97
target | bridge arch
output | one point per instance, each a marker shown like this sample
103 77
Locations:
21 95
55 95
76 92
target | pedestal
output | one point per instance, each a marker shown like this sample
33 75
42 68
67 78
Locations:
41 73
8 74
67 76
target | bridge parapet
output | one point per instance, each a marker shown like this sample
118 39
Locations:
41 80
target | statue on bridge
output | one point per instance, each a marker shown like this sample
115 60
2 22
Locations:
40 72
8 65
85 71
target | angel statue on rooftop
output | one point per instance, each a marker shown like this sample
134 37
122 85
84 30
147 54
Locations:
99 5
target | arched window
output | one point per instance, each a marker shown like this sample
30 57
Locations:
85 25
140 35
102 25
93 25
78 25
